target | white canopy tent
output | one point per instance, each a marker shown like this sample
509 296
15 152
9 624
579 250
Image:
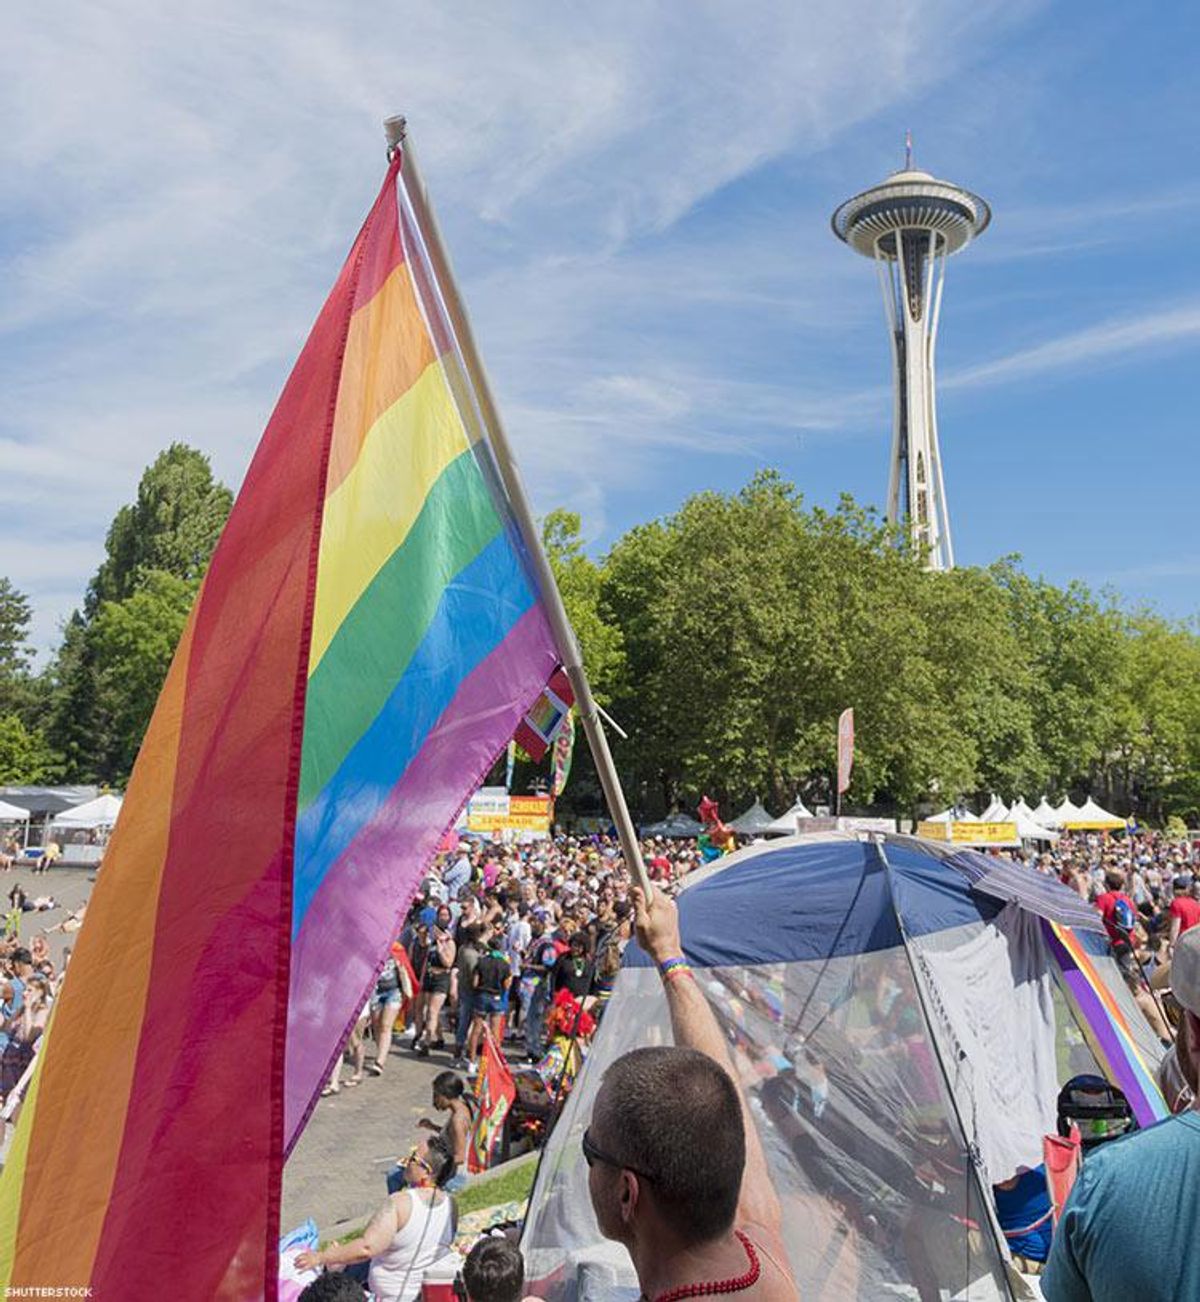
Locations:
1092 817
1029 829
1067 811
12 813
955 814
785 824
1046 814
756 821
996 812
1020 807
101 812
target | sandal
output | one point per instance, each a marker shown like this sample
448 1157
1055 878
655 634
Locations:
354 1080
375 1069
329 1090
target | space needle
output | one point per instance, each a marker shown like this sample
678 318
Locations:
909 224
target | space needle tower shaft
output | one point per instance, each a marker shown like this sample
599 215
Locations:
909 225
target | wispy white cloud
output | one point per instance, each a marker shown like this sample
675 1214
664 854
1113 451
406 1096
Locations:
1165 328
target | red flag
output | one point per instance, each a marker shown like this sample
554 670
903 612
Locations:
845 761
495 1093
537 730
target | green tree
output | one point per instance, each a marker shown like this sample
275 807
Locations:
104 673
25 755
578 579
172 527
18 686
133 642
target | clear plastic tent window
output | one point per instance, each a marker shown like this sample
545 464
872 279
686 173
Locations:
822 962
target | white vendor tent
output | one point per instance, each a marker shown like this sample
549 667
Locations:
1020 807
996 812
785 824
1046 814
1091 817
12 813
1029 829
955 814
1065 812
101 812
756 821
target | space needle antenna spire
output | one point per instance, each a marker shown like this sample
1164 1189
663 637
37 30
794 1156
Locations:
909 225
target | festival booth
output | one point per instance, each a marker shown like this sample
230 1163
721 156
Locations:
1090 817
902 1023
675 827
83 830
787 824
1065 812
12 817
754 822
1046 814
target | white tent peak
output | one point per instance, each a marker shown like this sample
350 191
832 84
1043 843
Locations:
101 812
785 824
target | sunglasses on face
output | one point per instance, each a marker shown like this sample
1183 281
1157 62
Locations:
592 1155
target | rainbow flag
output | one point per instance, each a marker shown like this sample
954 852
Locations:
1105 1026
365 643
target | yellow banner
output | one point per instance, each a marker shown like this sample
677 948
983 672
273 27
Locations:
970 833
500 813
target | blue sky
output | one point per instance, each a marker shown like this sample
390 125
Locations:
637 202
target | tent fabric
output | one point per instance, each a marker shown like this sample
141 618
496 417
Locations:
754 822
48 800
996 812
1028 829
674 827
785 824
902 1035
12 813
1019 807
1002 879
955 814
101 812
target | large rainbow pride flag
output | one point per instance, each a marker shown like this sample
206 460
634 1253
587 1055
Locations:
365 643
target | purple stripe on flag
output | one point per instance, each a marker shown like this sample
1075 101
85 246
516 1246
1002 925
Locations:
1108 1039
359 907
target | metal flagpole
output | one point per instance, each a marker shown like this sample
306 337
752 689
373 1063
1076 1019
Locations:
396 132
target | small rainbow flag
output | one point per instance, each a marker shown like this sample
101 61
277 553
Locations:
365 643
1105 1025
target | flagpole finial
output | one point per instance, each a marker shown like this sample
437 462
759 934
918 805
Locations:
907 150
394 131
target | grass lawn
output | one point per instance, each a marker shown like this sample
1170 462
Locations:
504 1187
507 1187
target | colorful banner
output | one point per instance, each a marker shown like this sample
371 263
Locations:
495 1093
564 750
493 811
537 730
845 750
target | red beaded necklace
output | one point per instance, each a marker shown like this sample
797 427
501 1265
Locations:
735 1285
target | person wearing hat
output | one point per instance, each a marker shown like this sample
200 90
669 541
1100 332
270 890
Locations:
1128 1230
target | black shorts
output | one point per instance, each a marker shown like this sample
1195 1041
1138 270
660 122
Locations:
436 982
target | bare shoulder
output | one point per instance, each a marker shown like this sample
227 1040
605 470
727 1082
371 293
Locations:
776 1281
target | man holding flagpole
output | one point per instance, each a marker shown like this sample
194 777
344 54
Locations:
677 1172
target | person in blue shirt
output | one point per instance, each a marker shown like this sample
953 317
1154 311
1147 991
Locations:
1129 1230
1026 1217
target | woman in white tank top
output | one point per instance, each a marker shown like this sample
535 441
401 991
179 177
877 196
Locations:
412 1230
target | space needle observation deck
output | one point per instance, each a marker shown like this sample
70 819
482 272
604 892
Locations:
909 224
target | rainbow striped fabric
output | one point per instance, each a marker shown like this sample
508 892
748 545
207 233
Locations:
365 642
1105 1025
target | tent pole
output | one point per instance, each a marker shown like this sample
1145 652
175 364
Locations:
567 645
981 1189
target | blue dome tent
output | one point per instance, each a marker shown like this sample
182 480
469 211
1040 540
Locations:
902 1016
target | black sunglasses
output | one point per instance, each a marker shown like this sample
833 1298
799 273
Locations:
592 1155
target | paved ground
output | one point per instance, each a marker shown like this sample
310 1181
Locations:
69 886
336 1171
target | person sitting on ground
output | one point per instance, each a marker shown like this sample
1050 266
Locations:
493 1271
1128 1229
412 1230
677 1172
449 1095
